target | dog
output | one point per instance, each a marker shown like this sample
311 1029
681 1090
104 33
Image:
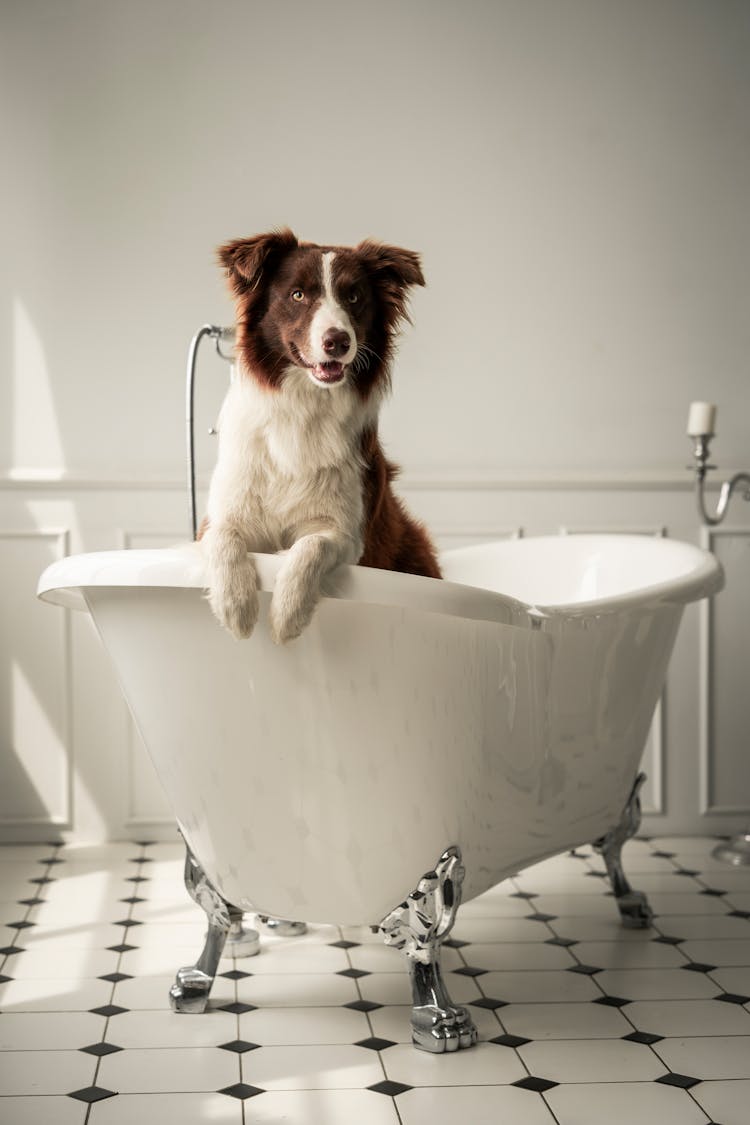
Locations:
300 468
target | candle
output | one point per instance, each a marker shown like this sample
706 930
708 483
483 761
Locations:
701 419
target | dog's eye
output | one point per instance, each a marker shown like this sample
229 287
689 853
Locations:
297 295
353 297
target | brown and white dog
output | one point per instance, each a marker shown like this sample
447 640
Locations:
300 467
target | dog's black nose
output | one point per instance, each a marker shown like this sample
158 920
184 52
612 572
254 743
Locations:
336 342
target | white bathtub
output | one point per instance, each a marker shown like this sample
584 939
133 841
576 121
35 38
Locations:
502 712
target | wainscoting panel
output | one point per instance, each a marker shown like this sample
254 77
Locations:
76 766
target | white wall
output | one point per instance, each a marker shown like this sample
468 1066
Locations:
575 173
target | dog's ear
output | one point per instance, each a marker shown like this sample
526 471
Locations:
393 271
246 259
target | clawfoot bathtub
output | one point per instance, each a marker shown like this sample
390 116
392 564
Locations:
463 729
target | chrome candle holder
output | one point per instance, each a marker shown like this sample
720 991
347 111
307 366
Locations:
701 422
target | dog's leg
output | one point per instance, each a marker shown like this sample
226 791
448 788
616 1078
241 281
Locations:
298 583
232 579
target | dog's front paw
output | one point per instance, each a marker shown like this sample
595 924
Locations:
234 600
292 610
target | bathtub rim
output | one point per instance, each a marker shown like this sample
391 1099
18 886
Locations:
64 582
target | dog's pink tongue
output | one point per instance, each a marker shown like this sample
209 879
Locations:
329 372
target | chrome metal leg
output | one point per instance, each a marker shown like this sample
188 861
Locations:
633 905
192 986
281 927
735 851
418 927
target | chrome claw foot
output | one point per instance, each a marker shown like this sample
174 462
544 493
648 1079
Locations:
418 927
635 912
191 990
281 927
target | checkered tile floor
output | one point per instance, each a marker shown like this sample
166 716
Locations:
580 1021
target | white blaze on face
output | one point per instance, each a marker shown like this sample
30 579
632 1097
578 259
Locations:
329 315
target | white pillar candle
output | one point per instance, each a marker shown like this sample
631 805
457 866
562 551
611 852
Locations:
701 419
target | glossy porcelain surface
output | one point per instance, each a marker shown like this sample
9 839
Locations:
320 779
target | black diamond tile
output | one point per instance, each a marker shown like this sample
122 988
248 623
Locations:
363 1006
123 947
100 1049
344 944
455 943
612 1001
375 1044
239 1046
108 1010
242 1091
353 973
391 1089
92 1094
664 855
585 970
712 891
522 894
136 879
51 859
115 978
10 950
235 974
19 925
469 971
4 979
733 998
565 942
643 1037
141 859
133 899
41 879
30 901
664 940
596 874
685 871
489 1002
684 1081
144 843
128 922
739 914
698 967
510 1040
539 1085
541 917
237 1008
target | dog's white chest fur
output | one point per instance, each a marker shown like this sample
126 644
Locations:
289 462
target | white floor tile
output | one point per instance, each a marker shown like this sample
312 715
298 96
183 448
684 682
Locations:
45 1072
395 988
60 964
735 980
689 1017
30 1031
152 992
304 1026
623 1103
726 1102
63 995
700 927
480 1105
707 1057
629 955
530 988
657 984
43 1111
499 929
170 1070
331 1067
487 1064
592 1060
564 1021
320 1107
166 1109
297 990
165 1028
728 952
289 957
521 956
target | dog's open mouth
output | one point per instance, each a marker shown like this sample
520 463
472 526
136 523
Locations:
331 372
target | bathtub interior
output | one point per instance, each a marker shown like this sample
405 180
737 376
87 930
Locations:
575 571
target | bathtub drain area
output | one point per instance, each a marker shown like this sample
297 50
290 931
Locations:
579 1020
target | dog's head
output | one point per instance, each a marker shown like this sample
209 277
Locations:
330 312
